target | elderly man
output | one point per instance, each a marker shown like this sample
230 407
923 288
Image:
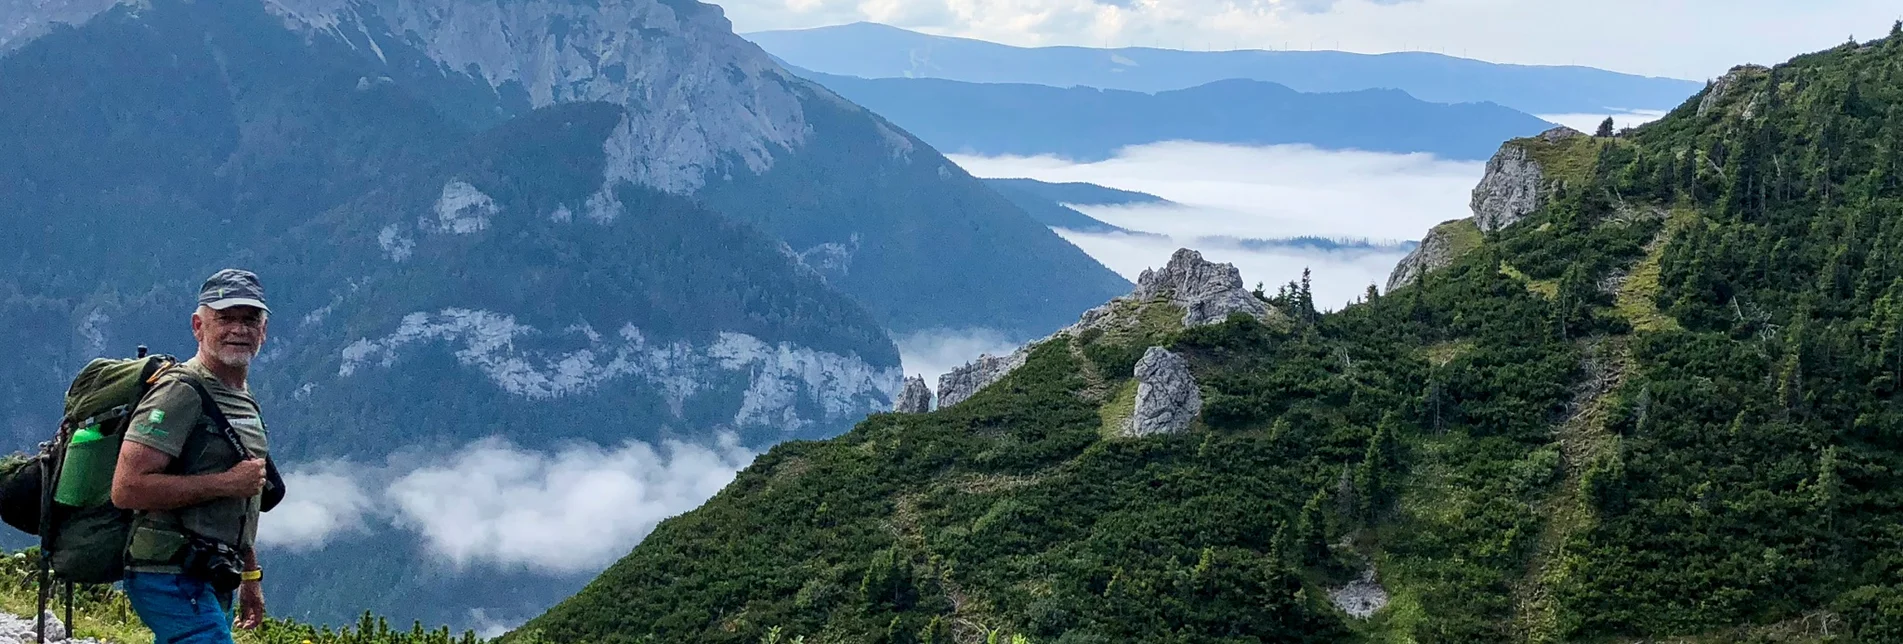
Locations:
192 469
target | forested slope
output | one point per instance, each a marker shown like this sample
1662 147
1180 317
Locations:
1663 402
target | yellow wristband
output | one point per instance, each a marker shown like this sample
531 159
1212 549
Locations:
252 575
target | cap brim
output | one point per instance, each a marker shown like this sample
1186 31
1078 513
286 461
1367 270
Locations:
220 305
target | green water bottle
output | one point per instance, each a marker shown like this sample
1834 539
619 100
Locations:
85 478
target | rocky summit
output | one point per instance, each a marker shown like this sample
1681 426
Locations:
1206 292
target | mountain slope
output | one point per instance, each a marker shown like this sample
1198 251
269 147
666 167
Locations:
1079 193
1652 395
1089 124
886 219
871 50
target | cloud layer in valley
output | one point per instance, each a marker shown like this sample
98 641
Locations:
495 504
1589 123
1224 194
1695 39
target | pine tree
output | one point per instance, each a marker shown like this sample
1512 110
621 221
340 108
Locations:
1311 531
1605 128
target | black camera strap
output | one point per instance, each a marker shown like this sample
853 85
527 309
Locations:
210 407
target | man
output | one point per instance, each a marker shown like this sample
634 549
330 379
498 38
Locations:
186 482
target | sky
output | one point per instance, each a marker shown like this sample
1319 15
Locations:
1692 39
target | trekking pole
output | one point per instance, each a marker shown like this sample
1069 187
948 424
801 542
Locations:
46 526
70 627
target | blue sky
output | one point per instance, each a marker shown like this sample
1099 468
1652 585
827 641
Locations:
1695 39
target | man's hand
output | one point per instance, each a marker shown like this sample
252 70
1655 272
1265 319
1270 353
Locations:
250 604
245 480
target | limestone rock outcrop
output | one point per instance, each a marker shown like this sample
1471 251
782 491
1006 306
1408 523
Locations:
966 381
1167 397
1442 244
916 398
1725 84
1509 190
1208 292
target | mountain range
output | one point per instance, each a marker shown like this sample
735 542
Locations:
1089 124
869 50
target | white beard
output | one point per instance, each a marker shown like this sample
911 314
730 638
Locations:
235 357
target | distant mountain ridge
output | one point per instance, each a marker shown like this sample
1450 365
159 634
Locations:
871 50
1087 124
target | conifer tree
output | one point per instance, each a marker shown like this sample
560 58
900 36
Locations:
1605 128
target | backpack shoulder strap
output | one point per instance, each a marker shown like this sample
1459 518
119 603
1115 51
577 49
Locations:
217 416
274 482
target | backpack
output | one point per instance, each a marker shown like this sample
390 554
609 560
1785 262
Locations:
63 494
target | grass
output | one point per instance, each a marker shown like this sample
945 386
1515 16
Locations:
1637 300
1118 411
1547 288
1570 160
1441 354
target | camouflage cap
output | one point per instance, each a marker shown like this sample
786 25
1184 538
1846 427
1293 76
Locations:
232 287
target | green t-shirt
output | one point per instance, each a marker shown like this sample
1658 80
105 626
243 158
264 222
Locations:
171 420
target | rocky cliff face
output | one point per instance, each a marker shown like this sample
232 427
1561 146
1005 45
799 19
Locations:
1437 250
1514 186
725 105
1721 89
1167 397
24 20
965 382
915 399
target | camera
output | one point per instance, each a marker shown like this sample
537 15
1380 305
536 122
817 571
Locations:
213 562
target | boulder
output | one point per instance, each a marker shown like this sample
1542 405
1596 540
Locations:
1167 397
966 381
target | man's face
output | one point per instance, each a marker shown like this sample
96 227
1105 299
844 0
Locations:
231 336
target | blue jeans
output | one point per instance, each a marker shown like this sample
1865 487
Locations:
180 609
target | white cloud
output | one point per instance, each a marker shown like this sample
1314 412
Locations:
491 503
936 352
1694 39
1224 193
1589 123
576 510
1264 192
322 501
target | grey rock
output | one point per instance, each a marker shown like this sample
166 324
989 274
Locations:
1167 397
966 381
1207 291
1361 598
916 398
1437 250
724 99
15 629
1560 133
1509 190
1722 87
21 21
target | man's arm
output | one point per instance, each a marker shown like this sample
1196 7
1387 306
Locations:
250 595
139 484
